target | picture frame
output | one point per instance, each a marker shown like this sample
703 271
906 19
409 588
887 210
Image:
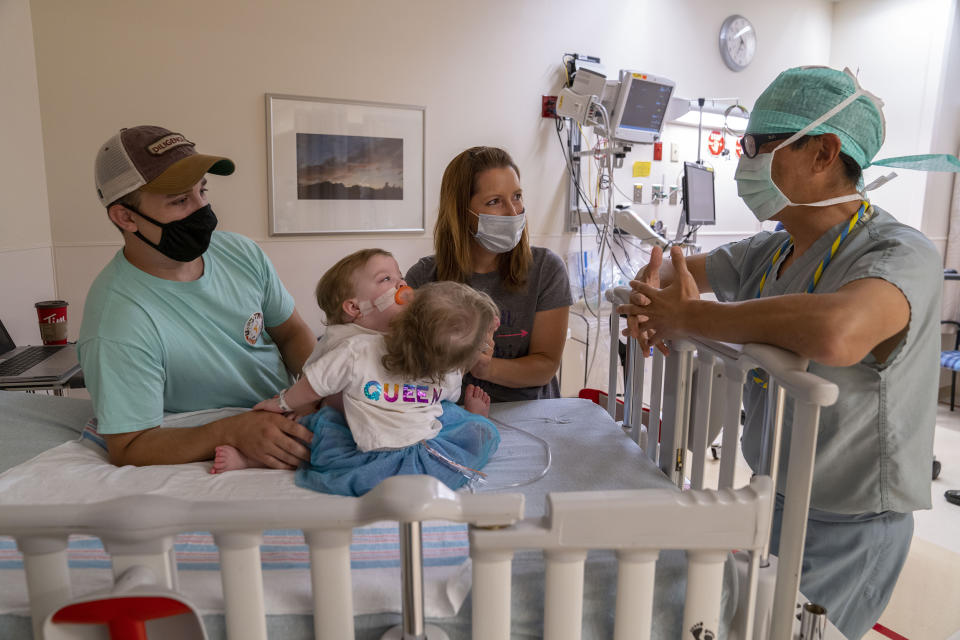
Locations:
339 166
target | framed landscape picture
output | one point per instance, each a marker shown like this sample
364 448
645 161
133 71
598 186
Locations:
344 167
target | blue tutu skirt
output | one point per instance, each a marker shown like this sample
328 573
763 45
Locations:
337 466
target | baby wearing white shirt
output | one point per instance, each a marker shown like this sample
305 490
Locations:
393 383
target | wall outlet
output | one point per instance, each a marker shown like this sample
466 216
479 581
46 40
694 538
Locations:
548 107
674 152
638 193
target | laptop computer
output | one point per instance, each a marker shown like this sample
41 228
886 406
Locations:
35 364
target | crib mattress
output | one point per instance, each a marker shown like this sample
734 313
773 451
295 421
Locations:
588 451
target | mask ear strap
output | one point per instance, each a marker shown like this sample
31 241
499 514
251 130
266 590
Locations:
832 201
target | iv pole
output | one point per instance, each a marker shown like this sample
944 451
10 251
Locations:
682 225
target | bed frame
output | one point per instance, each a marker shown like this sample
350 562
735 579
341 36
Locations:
637 524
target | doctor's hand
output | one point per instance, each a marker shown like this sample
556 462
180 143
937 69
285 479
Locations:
655 315
649 275
269 438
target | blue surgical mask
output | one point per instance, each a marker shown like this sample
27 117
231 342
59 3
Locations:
499 234
755 183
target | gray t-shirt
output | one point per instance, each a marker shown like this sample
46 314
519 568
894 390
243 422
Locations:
547 288
875 445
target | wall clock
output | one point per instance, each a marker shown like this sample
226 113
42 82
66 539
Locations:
738 42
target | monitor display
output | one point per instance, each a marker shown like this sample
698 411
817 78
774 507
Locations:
698 196
641 105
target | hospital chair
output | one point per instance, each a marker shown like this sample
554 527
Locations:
950 360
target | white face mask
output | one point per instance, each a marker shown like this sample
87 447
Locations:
755 183
499 234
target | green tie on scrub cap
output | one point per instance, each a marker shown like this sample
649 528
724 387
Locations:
801 95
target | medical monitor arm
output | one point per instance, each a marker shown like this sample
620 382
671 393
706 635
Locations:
636 226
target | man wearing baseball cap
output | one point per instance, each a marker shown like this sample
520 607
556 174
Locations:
845 285
184 318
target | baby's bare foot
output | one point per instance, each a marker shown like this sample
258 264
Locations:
227 458
477 401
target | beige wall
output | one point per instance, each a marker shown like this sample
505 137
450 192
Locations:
902 51
946 139
25 242
479 69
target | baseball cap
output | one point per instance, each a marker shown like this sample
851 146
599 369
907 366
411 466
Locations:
152 159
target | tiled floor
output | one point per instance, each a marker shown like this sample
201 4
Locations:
926 603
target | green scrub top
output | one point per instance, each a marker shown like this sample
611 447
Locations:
149 346
875 445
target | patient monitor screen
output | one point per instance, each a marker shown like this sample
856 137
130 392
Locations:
698 198
645 105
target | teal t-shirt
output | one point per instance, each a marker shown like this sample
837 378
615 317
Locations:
875 445
149 345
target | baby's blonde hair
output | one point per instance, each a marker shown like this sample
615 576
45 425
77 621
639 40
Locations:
441 330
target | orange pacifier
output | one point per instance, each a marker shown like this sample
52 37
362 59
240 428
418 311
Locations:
404 295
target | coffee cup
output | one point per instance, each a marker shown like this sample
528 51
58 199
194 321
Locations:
52 316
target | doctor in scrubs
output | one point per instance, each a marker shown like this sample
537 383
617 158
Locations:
845 285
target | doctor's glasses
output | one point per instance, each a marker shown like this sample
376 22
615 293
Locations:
751 143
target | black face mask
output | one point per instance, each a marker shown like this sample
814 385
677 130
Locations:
186 239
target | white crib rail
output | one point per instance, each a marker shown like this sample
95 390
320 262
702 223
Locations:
140 530
721 371
637 525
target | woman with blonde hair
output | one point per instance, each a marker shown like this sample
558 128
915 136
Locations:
481 239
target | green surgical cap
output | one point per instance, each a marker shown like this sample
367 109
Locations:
801 95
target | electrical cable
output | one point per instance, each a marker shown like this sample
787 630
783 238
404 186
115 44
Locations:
607 227
581 258
621 192
593 220
604 235
479 481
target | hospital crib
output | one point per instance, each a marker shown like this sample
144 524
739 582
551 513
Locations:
138 531
705 379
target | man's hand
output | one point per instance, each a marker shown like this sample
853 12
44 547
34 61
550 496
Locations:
649 275
269 438
655 315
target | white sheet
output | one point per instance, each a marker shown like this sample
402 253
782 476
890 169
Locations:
78 472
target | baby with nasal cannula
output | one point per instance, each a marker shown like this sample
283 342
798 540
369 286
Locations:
388 371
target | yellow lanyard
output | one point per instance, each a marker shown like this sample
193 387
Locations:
815 280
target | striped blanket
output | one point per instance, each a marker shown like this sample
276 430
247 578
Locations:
75 472
374 547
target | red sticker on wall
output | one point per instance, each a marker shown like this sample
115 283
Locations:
715 143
